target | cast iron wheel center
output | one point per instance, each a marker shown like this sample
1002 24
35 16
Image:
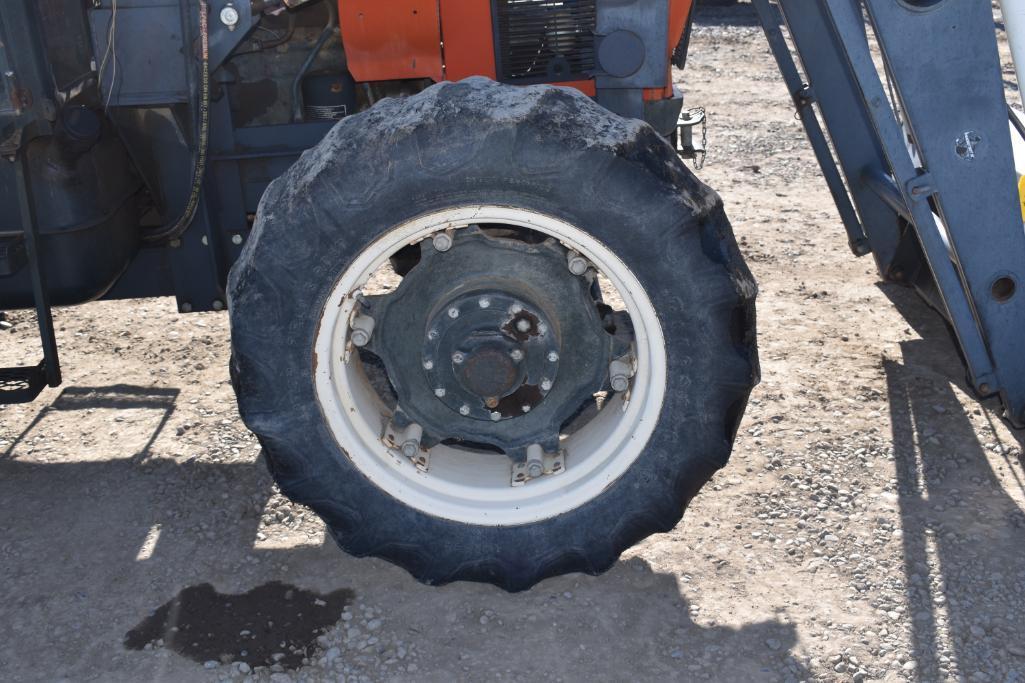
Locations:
491 340
490 355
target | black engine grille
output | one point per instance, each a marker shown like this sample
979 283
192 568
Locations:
544 40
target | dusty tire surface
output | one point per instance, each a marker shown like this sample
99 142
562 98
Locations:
457 144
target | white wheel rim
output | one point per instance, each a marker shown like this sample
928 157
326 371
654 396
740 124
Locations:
466 486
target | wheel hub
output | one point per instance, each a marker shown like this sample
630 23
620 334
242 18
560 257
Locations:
490 356
491 341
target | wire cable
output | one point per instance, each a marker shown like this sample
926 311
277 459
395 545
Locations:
176 229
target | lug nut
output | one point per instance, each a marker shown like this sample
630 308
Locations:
523 325
484 302
362 328
458 357
553 357
620 373
411 436
453 312
496 416
576 263
535 460
516 355
428 365
525 408
546 384
442 241
464 410
440 392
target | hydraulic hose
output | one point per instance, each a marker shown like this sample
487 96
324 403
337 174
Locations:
178 228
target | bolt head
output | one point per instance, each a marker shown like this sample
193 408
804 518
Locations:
546 384
464 410
440 392
523 325
484 302
453 312
428 365
525 408
620 383
535 469
514 309
442 241
433 334
236 238
410 448
577 264
229 17
360 338
496 416
458 357
516 355
217 305
553 357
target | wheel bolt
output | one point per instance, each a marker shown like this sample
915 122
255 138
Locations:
428 365
523 325
484 302
360 338
453 312
553 357
458 357
546 384
525 408
464 410
620 383
440 392
442 241
410 448
496 416
516 355
576 263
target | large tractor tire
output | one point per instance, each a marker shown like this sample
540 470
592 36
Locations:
492 333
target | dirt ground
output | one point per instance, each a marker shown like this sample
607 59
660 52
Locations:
869 526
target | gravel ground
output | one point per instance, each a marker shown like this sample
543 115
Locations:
869 527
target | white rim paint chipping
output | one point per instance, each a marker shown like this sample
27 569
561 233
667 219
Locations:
468 486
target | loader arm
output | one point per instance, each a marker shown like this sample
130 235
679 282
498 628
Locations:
923 147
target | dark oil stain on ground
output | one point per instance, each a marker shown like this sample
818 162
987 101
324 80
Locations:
252 627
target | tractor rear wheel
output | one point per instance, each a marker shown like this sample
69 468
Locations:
492 333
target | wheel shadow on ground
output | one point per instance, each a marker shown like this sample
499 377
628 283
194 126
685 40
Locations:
89 549
962 530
